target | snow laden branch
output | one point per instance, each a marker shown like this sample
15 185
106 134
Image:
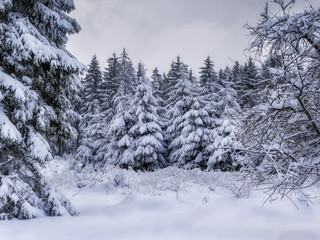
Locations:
283 130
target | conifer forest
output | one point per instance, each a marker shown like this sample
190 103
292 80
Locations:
115 150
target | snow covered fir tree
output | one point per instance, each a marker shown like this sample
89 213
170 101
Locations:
147 135
114 121
38 79
91 127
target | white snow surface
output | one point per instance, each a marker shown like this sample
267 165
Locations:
170 204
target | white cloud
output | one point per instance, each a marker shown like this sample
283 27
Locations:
155 32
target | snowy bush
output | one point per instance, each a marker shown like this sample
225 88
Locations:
281 135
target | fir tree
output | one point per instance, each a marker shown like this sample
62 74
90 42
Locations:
38 79
208 76
127 75
209 88
179 102
146 132
120 146
91 125
157 82
187 148
158 89
221 74
192 78
251 85
236 79
224 150
222 109
111 77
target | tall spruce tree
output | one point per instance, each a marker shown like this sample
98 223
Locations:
208 76
224 150
188 148
38 79
111 77
209 88
91 125
252 85
179 102
146 131
120 144
222 109
127 76
157 84
158 90
236 79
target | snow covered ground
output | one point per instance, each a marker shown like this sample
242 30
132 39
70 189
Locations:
167 204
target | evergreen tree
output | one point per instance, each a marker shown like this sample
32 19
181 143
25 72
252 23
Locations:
226 77
221 74
192 78
146 132
120 146
237 76
178 83
208 76
140 72
91 124
38 79
158 92
251 85
120 80
179 102
127 75
224 150
209 88
271 64
111 77
222 109
187 148
157 82
165 86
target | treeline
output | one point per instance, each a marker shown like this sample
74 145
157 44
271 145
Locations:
172 119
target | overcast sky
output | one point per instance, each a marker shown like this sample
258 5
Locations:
156 31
